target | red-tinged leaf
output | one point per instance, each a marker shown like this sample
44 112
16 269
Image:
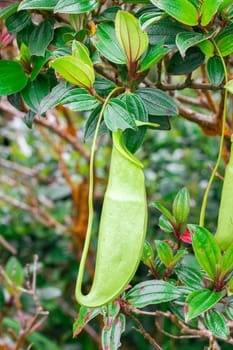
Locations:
200 301
206 250
111 335
186 237
84 316
132 39
152 292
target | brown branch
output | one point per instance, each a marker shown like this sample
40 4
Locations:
192 101
62 133
188 84
172 335
18 168
201 119
141 330
36 212
7 245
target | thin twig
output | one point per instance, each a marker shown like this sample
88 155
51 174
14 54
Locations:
141 330
7 245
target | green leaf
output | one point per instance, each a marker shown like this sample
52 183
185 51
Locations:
34 92
164 252
229 312
8 11
41 342
132 39
153 56
181 206
29 118
103 86
135 106
182 10
37 4
40 38
80 51
106 43
206 250
112 332
14 271
190 277
152 292
217 324
18 21
92 122
148 254
165 30
215 70
13 78
208 9
38 62
207 47
149 18
224 41
165 224
74 6
84 316
193 59
188 39
201 301
230 287
177 257
229 86
79 100
74 70
116 116
158 102
108 14
164 211
54 98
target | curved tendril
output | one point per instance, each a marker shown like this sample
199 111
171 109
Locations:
224 116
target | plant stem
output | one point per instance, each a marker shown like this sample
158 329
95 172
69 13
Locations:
224 116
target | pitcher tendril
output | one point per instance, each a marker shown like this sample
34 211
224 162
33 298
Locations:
224 116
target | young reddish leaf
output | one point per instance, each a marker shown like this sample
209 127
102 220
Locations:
132 39
84 316
206 250
186 237
200 301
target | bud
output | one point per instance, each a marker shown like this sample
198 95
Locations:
181 206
